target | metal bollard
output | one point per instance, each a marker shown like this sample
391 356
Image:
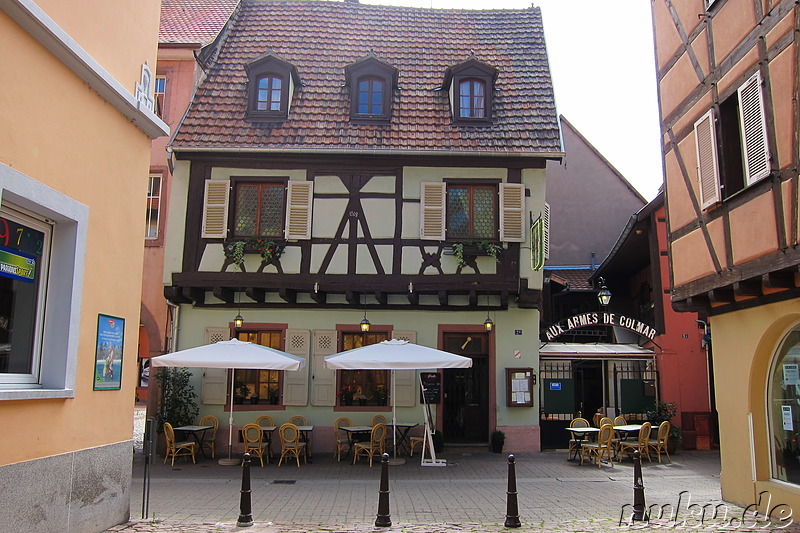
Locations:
639 510
512 509
245 509
384 519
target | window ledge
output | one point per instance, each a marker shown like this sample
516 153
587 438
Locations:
363 408
35 394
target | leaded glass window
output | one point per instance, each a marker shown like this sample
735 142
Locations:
471 212
363 387
269 93
370 96
259 210
259 386
472 102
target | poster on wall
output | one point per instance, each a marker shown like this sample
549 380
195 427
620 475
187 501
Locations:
108 352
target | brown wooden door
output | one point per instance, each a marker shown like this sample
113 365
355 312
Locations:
466 390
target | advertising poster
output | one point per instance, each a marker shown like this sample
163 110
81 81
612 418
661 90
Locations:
108 355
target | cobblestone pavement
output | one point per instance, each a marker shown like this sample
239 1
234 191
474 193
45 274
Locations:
469 495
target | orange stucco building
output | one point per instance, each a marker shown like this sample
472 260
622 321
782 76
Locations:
729 91
74 146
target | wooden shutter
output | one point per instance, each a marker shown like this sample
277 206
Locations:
215 209
214 387
295 383
432 209
512 212
707 162
299 201
546 221
323 379
753 125
405 381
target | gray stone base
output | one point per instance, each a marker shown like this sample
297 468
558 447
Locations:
87 491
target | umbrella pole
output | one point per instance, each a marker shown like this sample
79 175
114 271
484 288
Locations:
395 460
229 461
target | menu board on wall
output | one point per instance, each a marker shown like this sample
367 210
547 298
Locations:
519 387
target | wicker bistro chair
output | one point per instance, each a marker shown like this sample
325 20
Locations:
377 443
659 444
620 421
414 442
265 422
602 448
298 420
342 442
177 449
378 419
209 437
641 444
290 443
254 444
574 440
603 421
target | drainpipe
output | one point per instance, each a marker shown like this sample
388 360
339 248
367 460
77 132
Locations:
174 328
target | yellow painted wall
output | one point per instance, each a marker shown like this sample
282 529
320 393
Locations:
59 132
744 343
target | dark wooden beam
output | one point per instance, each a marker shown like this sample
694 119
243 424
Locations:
504 299
352 297
194 294
255 293
442 297
288 295
319 297
721 295
175 295
748 287
381 297
782 279
699 302
413 298
473 297
225 294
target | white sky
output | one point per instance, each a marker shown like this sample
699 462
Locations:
603 67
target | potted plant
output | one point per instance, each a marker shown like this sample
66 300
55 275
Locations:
381 395
240 392
498 438
666 411
254 398
462 250
274 396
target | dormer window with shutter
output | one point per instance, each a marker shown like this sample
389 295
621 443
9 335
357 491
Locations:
371 83
732 148
270 87
246 207
472 210
471 89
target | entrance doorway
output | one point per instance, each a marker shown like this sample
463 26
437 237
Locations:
588 387
466 390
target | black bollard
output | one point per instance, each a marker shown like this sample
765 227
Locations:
384 519
245 509
639 510
512 509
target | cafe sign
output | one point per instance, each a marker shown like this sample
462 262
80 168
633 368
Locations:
17 266
600 319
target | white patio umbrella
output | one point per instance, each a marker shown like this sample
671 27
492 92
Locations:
395 355
231 355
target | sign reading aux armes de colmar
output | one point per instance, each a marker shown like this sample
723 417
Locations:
600 319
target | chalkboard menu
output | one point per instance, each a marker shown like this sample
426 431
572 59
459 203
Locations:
432 382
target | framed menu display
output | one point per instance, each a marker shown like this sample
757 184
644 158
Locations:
519 387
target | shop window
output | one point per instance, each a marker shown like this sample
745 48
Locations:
784 410
260 387
42 247
362 387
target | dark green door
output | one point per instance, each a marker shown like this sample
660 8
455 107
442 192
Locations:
466 391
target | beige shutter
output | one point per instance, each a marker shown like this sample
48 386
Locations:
546 221
512 212
431 206
295 383
754 130
323 379
214 387
215 209
707 163
299 201
405 381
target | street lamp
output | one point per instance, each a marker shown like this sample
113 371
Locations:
488 325
365 323
604 295
238 321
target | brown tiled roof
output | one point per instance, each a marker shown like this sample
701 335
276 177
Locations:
577 278
193 21
320 38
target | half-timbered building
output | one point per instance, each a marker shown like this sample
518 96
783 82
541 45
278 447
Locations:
729 90
343 164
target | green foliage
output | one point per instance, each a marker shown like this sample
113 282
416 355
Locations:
665 411
489 248
266 248
178 400
498 436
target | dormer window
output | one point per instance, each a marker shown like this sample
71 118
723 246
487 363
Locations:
371 83
471 89
270 88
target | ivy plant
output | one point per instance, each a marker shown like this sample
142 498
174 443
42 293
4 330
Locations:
266 248
489 248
